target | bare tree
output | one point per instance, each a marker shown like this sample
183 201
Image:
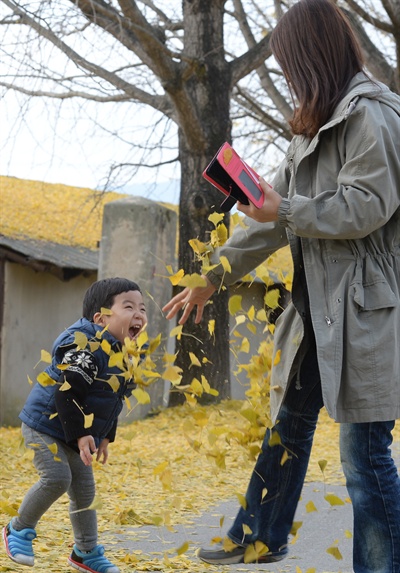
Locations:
204 67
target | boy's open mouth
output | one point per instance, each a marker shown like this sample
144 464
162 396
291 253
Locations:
134 331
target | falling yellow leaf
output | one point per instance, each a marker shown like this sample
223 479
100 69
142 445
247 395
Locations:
65 386
30 381
106 346
177 331
194 361
141 396
274 439
211 326
242 500
114 382
246 529
45 380
225 264
198 247
173 374
53 448
192 281
271 298
277 357
88 420
45 356
215 218
322 464
80 340
183 548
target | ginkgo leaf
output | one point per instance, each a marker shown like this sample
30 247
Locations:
333 499
88 420
322 464
198 246
45 380
310 507
105 346
65 386
53 448
295 527
277 357
192 281
194 361
177 331
348 534
142 338
106 311
225 264
114 382
141 396
211 326
80 340
30 381
183 548
245 346
334 551
242 500
216 218
173 374
45 356
246 529
52 416
284 458
177 277
96 504
274 439
116 359
271 298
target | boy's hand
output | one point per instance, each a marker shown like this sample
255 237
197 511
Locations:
87 447
102 451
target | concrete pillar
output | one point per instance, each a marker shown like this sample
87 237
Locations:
138 241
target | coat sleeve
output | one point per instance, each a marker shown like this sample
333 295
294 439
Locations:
363 191
251 242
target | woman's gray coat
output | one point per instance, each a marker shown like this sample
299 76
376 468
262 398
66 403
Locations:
340 214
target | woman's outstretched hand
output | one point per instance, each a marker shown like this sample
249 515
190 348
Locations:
269 210
188 299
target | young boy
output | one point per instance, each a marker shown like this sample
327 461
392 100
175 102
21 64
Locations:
72 414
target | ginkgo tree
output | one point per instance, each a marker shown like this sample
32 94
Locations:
204 67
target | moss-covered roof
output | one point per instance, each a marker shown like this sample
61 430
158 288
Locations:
52 212
72 216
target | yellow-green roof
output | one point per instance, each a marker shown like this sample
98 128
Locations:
52 212
69 215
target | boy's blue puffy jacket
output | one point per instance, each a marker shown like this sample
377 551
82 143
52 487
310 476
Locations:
102 401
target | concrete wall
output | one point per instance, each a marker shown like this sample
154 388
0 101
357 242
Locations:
37 307
138 241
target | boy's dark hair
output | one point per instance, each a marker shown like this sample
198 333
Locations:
101 294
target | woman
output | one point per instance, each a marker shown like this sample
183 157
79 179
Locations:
336 201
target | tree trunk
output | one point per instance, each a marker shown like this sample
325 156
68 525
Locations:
209 89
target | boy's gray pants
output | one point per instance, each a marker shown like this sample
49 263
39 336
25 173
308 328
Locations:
59 473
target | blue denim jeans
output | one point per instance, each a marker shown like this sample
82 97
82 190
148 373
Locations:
372 480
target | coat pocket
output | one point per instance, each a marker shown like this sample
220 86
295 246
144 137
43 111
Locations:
371 290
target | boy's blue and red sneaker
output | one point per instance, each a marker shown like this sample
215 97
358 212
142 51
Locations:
18 544
93 562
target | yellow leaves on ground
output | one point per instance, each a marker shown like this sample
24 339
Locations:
133 494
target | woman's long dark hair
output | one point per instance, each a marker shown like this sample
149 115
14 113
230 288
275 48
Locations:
319 54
